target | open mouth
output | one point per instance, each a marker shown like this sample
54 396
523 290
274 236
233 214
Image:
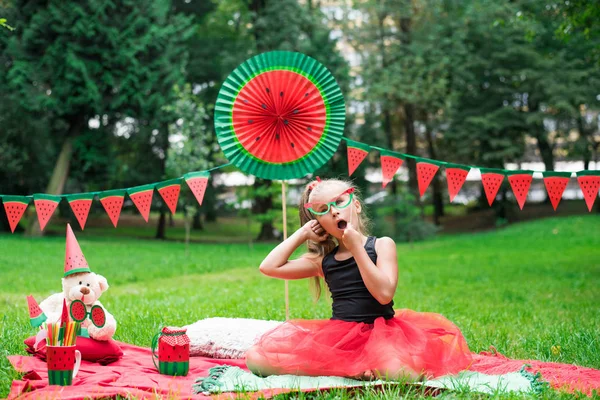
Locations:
342 224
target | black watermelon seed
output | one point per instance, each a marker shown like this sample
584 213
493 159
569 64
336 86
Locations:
292 144
250 121
285 121
296 111
281 94
309 128
277 136
257 138
268 90
264 106
306 94
245 101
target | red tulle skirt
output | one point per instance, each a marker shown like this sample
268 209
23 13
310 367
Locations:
424 342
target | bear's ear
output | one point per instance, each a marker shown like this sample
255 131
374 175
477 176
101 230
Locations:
102 282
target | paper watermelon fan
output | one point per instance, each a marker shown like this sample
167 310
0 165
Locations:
280 115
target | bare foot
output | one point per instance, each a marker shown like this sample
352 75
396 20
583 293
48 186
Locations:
367 375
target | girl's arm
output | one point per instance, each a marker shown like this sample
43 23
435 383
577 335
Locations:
278 265
380 279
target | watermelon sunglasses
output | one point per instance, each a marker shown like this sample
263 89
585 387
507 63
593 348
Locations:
339 202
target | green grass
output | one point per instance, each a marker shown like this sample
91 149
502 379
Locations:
526 289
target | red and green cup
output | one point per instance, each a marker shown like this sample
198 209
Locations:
63 364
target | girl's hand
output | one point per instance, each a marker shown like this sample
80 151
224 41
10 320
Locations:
351 238
315 231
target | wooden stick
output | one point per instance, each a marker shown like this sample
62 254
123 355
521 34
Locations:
287 288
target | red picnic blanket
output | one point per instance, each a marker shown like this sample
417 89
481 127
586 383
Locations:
135 375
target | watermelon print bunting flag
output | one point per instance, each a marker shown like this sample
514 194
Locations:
279 115
426 170
456 175
15 207
112 201
556 183
491 179
169 191
142 198
589 182
36 315
81 204
197 181
390 164
45 204
520 182
356 153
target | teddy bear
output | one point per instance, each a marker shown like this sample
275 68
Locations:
87 287
80 283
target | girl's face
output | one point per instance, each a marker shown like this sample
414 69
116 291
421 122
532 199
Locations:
342 209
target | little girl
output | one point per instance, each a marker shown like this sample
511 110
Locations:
365 338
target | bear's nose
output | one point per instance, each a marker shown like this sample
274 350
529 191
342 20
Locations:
84 290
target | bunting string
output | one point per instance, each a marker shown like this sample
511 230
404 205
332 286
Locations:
391 161
491 178
112 200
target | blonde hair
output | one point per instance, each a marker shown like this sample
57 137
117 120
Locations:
320 249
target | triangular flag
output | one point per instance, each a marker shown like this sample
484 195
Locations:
426 170
112 201
456 175
81 204
556 183
169 191
492 180
36 315
356 152
15 207
589 182
45 204
520 182
74 259
390 164
142 198
197 181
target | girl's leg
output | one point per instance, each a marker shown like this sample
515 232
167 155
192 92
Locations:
258 364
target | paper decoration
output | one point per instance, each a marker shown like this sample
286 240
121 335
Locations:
426 170
556 183
279 115
492 180
74 259
45 204
456 175
36 315
15 207
142 198
112 201
589 182
169 191
390 164
81 204
356 153
520 182
197 182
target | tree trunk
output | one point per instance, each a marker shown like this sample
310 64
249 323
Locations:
57 181
438 201
262 205
197 221
161 231
584 137
409 116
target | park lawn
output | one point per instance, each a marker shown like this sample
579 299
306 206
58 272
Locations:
531 290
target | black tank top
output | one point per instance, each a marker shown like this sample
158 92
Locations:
352 301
